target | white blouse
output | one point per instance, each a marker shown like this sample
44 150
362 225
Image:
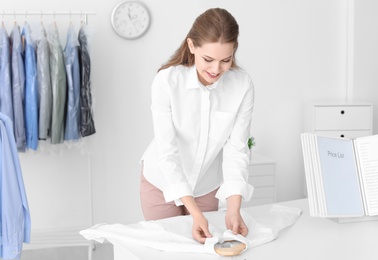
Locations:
200 133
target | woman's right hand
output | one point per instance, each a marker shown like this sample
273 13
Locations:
200 228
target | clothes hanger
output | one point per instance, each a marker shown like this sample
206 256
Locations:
42 18
56 27
70 18
81 18
26 17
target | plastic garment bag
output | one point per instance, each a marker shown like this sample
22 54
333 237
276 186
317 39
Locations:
18 86
58 84
44 83
87 122
71 57
31 90
6 106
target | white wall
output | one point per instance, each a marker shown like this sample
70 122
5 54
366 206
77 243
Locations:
292 55
366 55
295 50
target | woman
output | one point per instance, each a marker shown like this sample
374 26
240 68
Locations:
201 107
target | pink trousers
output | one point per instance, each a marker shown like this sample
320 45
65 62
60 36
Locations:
154 206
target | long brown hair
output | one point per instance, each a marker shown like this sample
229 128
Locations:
214 25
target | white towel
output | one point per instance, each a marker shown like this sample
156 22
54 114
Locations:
175 234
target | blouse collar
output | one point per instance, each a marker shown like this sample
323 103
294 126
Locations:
195 83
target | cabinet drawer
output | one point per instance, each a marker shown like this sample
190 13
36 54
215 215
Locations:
263 192
342 117
346 134
261 181
261 169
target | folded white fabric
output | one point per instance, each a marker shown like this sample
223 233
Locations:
175 234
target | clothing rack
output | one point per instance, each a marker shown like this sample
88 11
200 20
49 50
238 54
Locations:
84 14
84 19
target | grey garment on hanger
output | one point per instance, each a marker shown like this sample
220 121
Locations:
18 86
6 104
58 84
44 84
87 122
71 57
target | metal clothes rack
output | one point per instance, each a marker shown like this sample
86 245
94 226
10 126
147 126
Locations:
84 19
84 14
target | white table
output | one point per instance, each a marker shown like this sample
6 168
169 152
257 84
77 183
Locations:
309 239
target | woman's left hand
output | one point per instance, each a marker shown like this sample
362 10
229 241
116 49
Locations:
235 223
234 220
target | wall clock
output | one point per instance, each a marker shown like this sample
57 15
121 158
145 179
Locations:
130 19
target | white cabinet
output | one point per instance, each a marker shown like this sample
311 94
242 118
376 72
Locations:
262 178
346 120
350 120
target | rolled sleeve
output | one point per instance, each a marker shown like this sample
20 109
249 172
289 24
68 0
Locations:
235 188
176 191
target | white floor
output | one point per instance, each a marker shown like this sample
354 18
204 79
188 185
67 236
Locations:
81 252
64 244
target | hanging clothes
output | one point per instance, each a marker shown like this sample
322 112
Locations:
44 83
6 104
15 223
18 87
71 57
87 122
58 84
31 90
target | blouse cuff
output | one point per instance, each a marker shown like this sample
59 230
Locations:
176 191
235 188
11 251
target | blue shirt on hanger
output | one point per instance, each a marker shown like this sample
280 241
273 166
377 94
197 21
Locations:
31 90
15 224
